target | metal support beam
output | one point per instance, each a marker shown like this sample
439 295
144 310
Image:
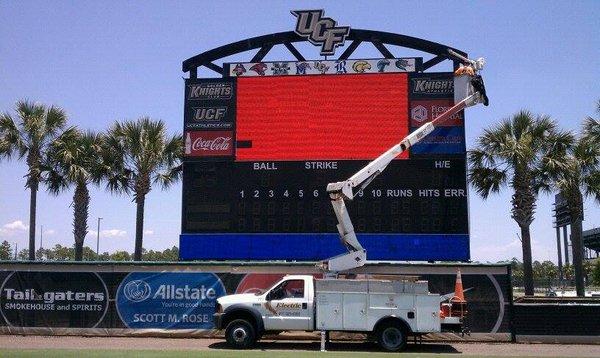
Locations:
294 51
378 38
456 65
262 53
194 72
214 67
558 249
433 61
566 239
384 51
348 52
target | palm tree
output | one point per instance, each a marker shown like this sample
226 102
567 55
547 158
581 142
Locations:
138 154
29 137
591 126
511 154
74 160
577 179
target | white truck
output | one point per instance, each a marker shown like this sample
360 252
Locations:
387 309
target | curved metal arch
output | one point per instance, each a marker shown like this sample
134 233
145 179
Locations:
378 38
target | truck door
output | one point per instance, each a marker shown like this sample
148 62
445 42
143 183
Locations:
289 306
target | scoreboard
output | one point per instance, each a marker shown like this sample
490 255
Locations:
260 151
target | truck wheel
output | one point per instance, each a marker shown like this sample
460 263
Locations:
391 337
240 334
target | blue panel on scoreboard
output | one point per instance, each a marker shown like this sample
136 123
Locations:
443 140
316 247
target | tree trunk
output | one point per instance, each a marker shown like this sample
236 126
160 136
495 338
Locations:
576 244
81 203
527 269
523 209
575 201
33 187
78 251
139 227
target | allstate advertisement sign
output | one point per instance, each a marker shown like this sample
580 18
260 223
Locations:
169 300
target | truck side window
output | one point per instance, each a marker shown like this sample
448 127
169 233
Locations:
288 289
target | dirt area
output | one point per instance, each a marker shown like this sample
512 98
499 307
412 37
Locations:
132 343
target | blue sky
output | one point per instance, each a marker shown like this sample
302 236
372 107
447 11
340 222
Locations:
104 61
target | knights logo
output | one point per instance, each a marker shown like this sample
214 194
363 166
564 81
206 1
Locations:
280 68
239 69
302 67
382 64
259 68
361 66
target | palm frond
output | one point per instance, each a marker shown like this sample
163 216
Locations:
55 181
55 120
169 177
591 185
11 142
173 151
591 130
33 123
522 123
487 180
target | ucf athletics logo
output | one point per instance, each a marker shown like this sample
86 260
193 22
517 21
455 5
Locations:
320 30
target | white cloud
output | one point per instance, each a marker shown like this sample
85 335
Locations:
16 225
109 234
486 252
49 232
13 228
148 232
113 233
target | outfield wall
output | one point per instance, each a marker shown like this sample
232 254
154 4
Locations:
178 299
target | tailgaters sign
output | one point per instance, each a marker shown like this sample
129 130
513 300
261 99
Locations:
53 299
169 300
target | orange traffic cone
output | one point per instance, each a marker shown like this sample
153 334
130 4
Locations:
459 295
459 304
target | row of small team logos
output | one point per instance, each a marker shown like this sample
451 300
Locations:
334 67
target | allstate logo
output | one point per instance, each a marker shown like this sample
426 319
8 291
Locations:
137 291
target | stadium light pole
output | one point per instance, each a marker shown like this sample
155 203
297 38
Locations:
98 239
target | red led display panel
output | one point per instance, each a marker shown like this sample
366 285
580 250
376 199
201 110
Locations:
353 117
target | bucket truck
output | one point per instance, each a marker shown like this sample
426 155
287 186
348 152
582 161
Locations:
387 309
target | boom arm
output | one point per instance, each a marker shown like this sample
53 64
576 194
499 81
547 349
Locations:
339 191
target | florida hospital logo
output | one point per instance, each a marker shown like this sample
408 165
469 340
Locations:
419 113
320 30
137 291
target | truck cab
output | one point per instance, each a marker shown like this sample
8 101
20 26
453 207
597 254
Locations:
287 305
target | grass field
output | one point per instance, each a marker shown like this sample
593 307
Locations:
52 353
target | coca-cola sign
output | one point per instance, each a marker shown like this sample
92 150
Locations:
208 143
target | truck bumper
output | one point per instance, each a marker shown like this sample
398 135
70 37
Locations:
452 324
218 320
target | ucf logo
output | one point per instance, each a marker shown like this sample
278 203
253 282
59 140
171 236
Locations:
320 30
